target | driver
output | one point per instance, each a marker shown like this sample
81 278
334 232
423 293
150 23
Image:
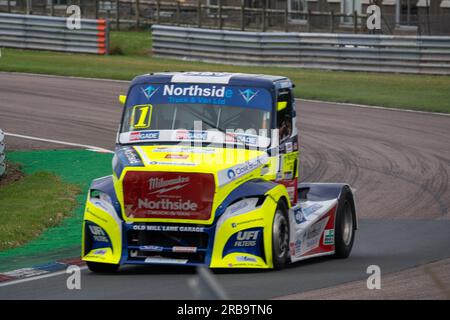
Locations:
285 127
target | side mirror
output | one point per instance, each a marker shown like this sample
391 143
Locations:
281 105
123 99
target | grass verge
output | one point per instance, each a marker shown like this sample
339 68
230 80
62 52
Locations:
420 92
63 240
136 43
31 205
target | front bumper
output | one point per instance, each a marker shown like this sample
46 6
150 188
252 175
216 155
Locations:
241 241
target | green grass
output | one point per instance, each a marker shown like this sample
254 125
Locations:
420 92
131 43
31 205
64 239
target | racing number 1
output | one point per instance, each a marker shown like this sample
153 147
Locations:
141 116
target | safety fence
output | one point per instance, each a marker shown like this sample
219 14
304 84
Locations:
298 16
132 14
2 154
382 53
53 33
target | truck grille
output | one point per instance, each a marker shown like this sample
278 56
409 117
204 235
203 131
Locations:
143 244
168 239
168 195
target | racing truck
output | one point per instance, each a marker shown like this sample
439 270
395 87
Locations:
206 173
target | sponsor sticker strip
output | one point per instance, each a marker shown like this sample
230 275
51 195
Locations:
309 221
208 136
232 173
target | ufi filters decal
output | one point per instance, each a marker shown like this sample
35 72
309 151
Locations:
245 241
168 195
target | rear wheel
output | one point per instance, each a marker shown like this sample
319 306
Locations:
344 229
280 236
102 267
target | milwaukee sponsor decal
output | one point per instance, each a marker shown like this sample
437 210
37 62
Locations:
161 186
168 195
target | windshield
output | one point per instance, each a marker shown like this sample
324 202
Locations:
184 116
227 115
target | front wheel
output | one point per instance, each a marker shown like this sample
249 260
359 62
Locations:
102 267
344 229
280 236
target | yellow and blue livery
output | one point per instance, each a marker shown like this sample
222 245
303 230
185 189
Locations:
205 172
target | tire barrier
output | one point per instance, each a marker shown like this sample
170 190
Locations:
51 33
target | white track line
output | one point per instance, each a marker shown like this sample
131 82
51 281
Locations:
62 77
48 275
59 142
54 274
306 100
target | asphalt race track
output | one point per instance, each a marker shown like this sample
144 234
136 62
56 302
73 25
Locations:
398 162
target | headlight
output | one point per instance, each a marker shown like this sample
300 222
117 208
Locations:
240 207
102 200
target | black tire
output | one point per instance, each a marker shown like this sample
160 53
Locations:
344 229
102 267
280 236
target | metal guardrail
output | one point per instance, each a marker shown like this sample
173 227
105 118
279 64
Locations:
51 33
354 52
2 154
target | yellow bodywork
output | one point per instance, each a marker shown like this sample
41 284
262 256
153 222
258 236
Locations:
202 160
